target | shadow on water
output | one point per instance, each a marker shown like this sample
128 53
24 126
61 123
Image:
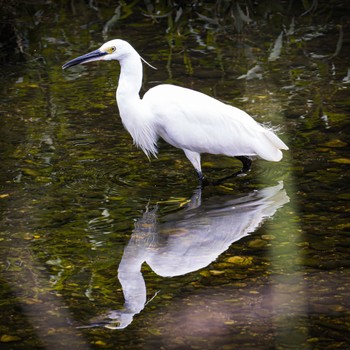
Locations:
187 241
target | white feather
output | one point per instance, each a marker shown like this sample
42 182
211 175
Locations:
190 120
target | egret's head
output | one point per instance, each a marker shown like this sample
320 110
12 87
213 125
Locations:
112 50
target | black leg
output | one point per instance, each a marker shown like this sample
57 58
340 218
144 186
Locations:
202 180
247 163
245 169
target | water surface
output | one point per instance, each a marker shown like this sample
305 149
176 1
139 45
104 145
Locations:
101 248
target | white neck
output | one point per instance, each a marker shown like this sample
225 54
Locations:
129 85
135 117
130 79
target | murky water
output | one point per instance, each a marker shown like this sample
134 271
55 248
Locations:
102 249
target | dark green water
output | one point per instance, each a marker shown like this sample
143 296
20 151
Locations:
102 249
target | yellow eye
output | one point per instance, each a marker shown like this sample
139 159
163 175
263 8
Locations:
111 49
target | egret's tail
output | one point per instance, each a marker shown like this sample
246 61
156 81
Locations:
271 149
276 140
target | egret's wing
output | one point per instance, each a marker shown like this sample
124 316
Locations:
191 120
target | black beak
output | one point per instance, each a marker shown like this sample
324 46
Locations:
89 57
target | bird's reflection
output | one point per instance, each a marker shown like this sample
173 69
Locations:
186 241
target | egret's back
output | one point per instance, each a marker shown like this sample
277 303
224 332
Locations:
193 121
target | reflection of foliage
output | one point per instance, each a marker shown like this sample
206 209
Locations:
72 174
177 18
11 37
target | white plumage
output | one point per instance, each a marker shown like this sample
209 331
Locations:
186 119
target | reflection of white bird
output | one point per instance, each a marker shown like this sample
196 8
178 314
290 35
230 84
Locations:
187 241
184 118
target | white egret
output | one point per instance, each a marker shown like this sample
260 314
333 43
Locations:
186 119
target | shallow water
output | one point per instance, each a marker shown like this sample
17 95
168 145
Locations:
100 248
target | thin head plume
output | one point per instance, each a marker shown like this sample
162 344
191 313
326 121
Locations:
148 64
